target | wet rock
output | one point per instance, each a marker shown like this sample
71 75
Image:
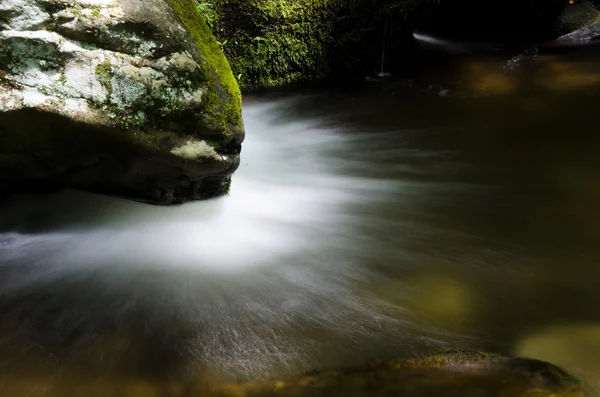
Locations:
125 97
278 43
581 21
578 15
575 347
462 374
446 375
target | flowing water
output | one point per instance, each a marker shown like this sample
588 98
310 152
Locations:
373 222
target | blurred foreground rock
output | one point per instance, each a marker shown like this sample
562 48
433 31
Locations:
445 375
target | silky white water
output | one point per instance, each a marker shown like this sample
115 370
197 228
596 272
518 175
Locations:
357 227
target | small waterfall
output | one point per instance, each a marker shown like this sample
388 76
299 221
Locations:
381 73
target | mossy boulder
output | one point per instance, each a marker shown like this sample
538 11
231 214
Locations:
280 42
126 97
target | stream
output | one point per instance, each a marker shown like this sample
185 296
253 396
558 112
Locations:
378 221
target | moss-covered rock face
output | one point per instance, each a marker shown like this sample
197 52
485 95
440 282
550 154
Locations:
278 42
126 97
271 42
224 99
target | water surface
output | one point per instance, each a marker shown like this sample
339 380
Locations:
391 220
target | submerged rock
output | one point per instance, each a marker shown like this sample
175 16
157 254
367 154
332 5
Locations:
445 375
579 15
126 97
449 375
575 347
582 22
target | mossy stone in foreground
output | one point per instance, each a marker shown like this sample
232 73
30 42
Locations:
463 374
446 375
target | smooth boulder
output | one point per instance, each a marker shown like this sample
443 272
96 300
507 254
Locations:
132 98
461 374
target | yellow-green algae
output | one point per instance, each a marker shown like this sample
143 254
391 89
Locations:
224 103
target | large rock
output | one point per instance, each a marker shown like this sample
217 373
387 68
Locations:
447 375
126 97
581 21
575 347
579 15
280 42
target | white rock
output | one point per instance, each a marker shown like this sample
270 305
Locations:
194 150
110 73
23 14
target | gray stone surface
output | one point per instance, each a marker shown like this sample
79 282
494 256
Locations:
112 96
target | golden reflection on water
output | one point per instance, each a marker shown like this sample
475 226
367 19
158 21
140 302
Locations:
549 73
482 77
438 299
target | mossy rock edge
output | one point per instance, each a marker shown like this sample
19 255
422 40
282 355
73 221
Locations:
224 104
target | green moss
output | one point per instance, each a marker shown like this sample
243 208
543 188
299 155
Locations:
104 72
209 11
96 12
78 10
215 144
278 42
89 46
224 102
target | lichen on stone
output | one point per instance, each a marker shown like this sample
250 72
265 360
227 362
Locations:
193 150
